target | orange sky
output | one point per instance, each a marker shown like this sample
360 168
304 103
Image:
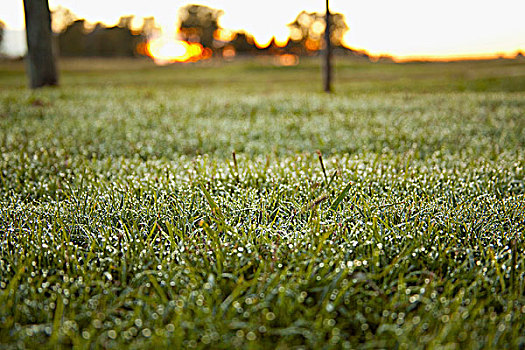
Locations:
401 28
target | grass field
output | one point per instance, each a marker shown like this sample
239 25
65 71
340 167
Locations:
126 220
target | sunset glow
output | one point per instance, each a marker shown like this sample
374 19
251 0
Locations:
224 35
403 29
280 42
164 51
287 60
228 52
263 42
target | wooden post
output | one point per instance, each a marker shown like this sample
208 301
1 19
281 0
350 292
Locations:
327 57
40 59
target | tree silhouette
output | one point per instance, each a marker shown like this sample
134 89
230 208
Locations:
72 40
243 43
327 71
149 27
2 26
309 28
61 18
40 58
199 23
308 31
117 41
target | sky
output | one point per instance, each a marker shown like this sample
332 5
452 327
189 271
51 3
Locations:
400 28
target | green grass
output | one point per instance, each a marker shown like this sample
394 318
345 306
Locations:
126 221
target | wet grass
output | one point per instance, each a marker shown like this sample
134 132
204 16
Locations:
127 221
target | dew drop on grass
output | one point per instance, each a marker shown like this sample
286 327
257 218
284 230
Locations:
270 316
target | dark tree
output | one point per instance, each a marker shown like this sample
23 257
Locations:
313 31
41 65
243 43
149 27
199 23
118 41
2 26
327 69
308 30
72 39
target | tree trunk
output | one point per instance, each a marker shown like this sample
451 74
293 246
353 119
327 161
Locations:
40 59
327 67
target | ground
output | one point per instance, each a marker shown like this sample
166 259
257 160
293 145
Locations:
233 204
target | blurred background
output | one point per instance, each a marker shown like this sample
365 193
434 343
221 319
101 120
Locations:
182 31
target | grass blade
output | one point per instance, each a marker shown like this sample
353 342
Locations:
341 196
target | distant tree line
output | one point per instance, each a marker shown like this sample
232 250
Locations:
76 37
100 41
200 24
197 23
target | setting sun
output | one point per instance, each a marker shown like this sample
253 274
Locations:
164 51
402 29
